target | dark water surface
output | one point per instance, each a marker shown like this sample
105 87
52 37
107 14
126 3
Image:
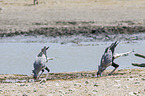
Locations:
18 57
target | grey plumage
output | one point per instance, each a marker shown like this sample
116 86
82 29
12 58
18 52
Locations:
40 63
107 59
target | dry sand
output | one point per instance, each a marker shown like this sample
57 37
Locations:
127 82
23 15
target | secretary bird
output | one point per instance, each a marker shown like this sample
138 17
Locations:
108 58
40 63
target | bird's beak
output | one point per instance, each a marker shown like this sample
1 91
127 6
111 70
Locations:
98 74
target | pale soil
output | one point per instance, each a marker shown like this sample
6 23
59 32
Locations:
22 15
127 82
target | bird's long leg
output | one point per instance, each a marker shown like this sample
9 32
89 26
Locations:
112 71
114 65
40 74
44 79
47 69
47 73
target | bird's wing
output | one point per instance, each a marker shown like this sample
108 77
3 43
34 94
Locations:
106 59
37 67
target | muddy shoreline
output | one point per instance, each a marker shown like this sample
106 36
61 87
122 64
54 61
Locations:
77 30
99 33
20 78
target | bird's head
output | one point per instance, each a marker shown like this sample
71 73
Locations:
113 46
35 76
99 74
100 70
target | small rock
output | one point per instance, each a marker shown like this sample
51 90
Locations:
40 86
117 85
44 95
117 81
131 93
35 90
25 94
87 82
137 82
143 78
52 92
140 75
127 87
135 93
77 84
95 91
131 77
56 84
96 85
22 84
49 95
62 92
69 90
45 84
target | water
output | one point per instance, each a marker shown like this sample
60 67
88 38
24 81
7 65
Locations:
18 58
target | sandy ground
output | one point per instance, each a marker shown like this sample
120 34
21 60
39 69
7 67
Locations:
127 82
22 15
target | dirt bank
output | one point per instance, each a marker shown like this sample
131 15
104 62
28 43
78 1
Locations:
78 30
124 82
